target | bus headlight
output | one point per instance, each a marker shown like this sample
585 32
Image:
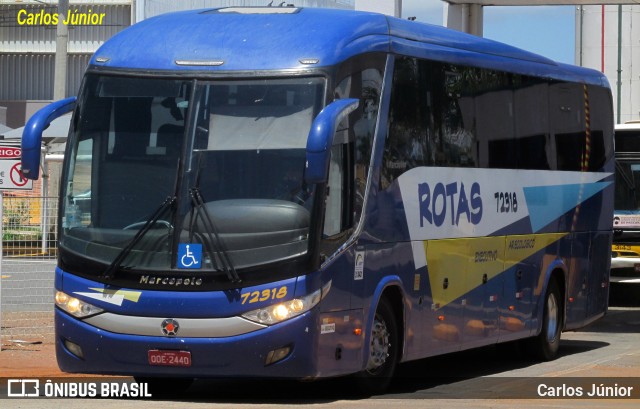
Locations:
74 306
274 314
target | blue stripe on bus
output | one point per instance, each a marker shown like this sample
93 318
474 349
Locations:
548 203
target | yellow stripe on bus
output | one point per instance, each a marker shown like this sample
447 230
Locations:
457 266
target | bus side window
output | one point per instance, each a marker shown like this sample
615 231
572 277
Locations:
405 146
361 78
333 217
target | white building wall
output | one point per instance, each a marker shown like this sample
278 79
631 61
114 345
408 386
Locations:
589 52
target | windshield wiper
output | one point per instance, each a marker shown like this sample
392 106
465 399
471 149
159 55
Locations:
213 242
115 264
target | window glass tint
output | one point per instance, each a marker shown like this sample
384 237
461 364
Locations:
359 78
406 145
446 115
581 120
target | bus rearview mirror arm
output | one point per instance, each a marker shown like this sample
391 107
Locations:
32 134
320 138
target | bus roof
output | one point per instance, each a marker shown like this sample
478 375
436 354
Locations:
275 38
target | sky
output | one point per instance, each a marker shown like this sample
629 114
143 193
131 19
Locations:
545 30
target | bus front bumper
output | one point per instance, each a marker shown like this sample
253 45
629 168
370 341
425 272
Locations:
104 352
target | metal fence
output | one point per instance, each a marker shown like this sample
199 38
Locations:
27 264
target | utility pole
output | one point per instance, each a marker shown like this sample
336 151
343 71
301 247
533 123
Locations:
62 39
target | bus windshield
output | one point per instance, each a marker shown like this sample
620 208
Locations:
627 185
217 166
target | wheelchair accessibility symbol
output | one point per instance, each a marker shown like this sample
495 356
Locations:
189 255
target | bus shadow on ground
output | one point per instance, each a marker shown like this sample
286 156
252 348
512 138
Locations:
432 374
619 320
434 377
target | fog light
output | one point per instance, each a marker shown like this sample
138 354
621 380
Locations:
74 348
277 355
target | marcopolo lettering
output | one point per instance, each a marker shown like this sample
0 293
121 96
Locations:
173 281
451 199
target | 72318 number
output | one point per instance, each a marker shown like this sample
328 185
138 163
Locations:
506 202
264 295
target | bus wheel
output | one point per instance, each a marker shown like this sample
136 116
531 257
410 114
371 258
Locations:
159 387
545 345
384 347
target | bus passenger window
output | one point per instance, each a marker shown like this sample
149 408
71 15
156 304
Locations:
454 125
333 213
360 78
405 146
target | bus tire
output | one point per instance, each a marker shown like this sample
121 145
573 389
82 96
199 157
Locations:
384 349
545 346
164 387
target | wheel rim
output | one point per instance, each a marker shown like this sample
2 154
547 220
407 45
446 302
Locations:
379 347
552 318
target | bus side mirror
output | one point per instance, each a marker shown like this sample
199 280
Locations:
320 138
32 134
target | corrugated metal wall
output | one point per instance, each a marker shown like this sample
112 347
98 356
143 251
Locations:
16 38
27 52
30 76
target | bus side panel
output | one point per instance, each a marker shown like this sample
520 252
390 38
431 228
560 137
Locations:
599 278
520 292
588 282
391 264
340 342
576 283
341 314
359 276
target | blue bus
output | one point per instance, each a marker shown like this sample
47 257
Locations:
307 193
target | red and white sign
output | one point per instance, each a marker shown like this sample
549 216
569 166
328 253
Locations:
11 178
7 152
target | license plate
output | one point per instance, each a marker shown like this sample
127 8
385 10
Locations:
636 267
169 358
